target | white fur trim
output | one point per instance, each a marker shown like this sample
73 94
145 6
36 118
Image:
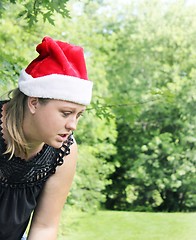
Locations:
56 86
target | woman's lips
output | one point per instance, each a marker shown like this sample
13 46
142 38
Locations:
63 136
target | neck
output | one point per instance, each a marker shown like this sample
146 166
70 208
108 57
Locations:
32 151
34 145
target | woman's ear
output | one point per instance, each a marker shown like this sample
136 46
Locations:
32 104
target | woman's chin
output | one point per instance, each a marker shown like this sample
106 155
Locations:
56 144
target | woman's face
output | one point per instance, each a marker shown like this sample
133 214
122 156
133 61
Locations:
51 122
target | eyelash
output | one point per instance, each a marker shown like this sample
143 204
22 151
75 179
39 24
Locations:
79 115
66 114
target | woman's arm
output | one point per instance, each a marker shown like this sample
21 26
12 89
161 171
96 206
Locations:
47 213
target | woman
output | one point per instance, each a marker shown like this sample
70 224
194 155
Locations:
37 150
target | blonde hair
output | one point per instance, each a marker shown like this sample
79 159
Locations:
14 117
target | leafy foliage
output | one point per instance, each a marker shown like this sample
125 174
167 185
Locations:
137 140
156 160
30 10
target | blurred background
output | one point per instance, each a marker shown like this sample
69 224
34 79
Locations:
137 157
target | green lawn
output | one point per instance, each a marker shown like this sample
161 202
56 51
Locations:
115 225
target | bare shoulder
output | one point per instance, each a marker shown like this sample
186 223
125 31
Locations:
66 171
55 191
54 194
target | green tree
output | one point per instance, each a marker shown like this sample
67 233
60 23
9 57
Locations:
95 136
137 141
151 68
32 10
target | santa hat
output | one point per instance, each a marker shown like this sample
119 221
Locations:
59 72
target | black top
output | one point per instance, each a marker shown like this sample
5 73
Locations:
21 183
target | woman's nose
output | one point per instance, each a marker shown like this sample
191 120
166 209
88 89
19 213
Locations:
71 124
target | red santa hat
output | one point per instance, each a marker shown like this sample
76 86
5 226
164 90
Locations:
59 72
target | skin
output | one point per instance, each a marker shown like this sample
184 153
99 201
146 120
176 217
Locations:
51 123
46 216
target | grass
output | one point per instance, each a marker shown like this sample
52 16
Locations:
116 225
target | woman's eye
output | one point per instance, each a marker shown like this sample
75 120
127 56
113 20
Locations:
79 115
65 114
